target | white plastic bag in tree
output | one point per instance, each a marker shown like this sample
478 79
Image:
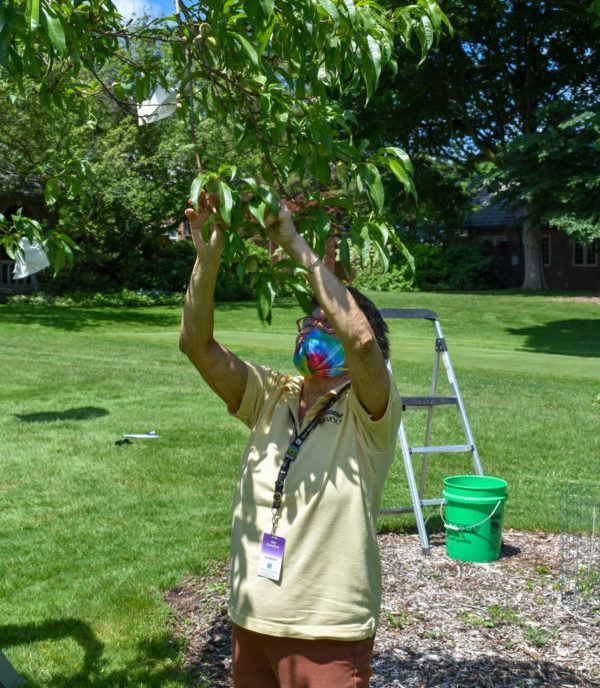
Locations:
31 258
160 105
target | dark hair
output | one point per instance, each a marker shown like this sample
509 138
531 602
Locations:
378 324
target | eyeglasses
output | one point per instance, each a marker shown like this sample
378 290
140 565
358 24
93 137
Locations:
307 323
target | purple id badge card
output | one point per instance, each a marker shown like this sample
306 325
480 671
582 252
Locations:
271 557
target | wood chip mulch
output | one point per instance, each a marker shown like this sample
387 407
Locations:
576 299
444 623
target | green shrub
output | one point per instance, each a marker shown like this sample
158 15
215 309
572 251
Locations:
396 278
116 299
459 265
157 274
163 265
371 276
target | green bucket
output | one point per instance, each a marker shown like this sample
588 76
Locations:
474 511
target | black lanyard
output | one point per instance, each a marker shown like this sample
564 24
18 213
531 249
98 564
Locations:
291 454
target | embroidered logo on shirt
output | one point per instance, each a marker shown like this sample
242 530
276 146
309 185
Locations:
332 416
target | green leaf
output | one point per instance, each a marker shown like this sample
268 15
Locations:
375 53
59 260
227 169
367 72
248 48
384 254
319 167
251 182
240 271
51 191
55 32
372 179
345 254
265 296
425 33
197 186
346 151
119 92
303 297
402 248
258 208
178 51
271 198
351 10
10 247
68 254
434 13
16 60
263 38
3 53
401 155
226 202
265 103
32 14
402 176
322 223
267 6
331 10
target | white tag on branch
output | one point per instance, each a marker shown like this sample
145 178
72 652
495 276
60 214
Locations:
31 258
160 105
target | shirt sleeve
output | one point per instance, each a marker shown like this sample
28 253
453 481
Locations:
378 434
261 384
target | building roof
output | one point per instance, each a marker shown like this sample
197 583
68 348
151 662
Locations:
494 212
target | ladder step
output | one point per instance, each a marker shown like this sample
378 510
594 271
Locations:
424 402
442 449
410 509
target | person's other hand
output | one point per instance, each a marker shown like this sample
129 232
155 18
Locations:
281 229
207 206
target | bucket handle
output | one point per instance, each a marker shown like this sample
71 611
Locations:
466 528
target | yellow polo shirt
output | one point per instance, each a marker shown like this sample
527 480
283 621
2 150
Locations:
330 584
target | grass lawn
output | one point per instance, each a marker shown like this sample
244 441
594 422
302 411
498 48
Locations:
92 532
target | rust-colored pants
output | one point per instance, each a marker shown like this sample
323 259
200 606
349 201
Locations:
265 661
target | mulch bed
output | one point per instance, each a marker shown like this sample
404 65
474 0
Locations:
444 623
577 299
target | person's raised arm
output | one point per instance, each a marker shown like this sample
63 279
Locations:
367 366
224 372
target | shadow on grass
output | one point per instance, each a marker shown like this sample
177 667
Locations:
567 337
76 319
146 669
82 413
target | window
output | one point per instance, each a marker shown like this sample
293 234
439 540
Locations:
585 255
546 250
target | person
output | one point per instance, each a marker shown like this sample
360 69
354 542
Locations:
305 569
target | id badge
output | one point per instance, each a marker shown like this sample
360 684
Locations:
271 557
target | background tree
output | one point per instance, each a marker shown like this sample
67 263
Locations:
273 72
497 101
135 180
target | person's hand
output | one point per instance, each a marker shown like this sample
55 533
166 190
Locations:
281 230
207 206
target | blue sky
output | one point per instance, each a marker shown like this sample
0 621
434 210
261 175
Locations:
155 8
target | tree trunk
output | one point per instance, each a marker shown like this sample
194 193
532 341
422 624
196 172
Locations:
532 253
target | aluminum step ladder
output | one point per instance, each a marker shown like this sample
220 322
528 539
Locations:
430 402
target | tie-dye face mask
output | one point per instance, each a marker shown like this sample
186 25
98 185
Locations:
318 354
